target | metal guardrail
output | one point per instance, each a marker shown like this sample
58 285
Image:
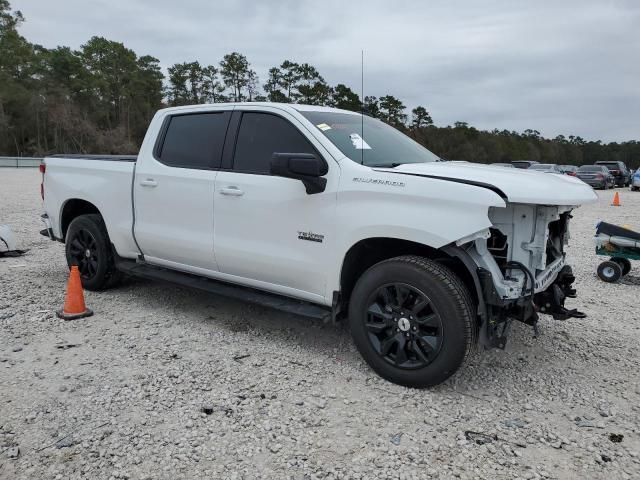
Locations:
18 162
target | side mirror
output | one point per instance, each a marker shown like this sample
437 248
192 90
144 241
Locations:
305 167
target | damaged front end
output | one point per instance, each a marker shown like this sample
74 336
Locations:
522 270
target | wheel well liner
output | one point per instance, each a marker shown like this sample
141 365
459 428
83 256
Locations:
72 209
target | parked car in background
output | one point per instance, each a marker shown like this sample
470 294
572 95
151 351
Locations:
568 169
635 180
546 168
619 171
507 165
598 176
523 163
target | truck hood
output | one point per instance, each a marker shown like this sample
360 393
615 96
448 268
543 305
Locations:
517 185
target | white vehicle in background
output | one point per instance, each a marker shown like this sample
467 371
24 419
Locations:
324 212
546 168
8 244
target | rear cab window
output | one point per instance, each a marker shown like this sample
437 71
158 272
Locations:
193 140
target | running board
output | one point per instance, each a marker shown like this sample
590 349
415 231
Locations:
277 302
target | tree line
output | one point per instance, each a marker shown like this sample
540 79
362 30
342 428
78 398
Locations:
101 97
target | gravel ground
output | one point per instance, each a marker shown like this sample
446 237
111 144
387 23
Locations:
121 394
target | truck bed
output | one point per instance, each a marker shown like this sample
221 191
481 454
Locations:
103 181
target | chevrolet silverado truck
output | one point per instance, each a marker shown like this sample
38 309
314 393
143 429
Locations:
326 213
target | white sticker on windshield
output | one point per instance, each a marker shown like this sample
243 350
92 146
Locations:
358 142
323 127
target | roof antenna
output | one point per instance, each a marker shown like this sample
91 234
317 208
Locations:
362 107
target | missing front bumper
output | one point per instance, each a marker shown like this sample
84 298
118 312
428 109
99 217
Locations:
502 312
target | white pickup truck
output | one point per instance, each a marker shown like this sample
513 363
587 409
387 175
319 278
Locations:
324 212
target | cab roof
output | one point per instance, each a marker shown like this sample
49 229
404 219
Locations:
284 106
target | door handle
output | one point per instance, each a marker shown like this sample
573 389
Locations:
149 182
232 191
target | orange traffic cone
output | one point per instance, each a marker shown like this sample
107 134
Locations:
616 200
74 306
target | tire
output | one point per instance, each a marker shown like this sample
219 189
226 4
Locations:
438 337
625 264
609 271
88 233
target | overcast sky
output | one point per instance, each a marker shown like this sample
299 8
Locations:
561 67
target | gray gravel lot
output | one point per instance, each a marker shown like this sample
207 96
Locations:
120 394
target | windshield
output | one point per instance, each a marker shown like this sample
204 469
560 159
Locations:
369 141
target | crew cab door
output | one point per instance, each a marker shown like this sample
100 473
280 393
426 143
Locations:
268 231
174 191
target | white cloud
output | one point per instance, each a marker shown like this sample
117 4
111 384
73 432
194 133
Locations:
566 67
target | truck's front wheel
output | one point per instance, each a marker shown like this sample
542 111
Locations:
412 320
87 245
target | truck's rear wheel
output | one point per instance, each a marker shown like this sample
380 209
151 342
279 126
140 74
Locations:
412 321
87 245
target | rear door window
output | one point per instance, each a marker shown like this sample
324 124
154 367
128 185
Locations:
260 136
194 140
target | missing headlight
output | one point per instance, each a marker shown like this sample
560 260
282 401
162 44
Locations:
498 246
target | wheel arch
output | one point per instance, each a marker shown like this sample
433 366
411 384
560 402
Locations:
367 252
72 209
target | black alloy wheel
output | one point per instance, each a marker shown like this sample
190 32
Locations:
404 326
83 251
88 246
412 320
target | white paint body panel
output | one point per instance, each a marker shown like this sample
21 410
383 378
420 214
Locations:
256 232
523 186
187 224
105 184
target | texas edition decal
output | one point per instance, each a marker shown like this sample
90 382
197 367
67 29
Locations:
310 236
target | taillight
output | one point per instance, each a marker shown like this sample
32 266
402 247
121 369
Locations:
599 176
43 169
